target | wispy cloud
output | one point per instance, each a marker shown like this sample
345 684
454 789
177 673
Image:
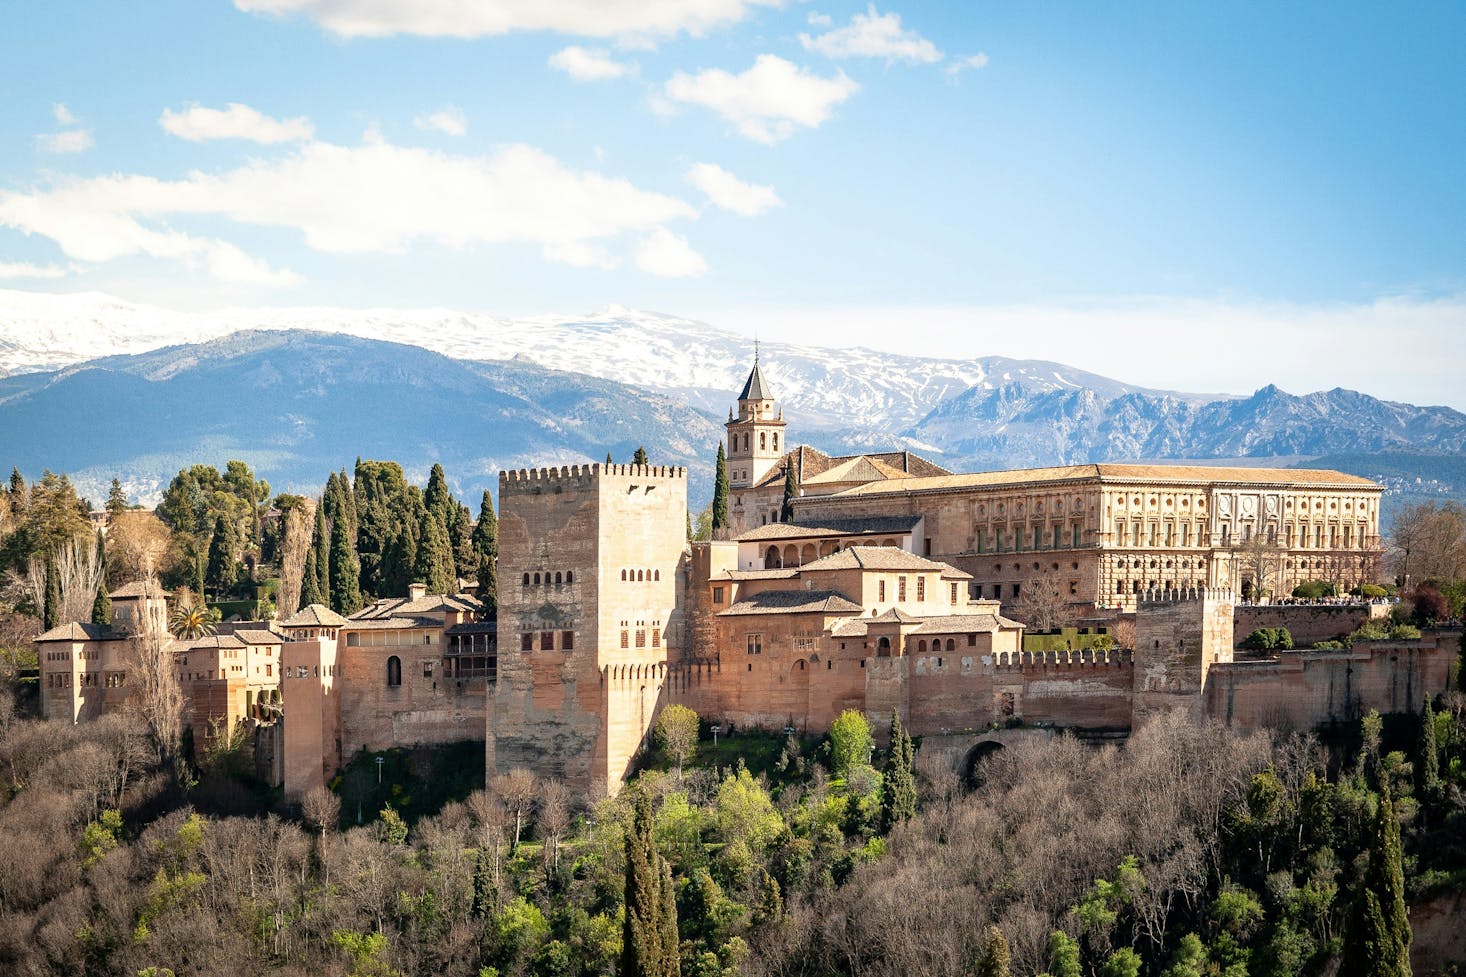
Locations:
73 140
766 103
873 35
590 64
970 63
483 18
449 120
197 123
24 269
725 190
668 255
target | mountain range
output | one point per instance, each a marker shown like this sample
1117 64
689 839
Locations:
300 392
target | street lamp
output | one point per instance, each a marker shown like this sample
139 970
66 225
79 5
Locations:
380 761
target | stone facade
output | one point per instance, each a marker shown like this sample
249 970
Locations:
589 617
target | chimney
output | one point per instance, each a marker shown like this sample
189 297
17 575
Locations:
417 591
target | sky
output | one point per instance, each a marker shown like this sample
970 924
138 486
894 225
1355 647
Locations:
1207 197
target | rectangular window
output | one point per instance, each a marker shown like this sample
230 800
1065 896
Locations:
641 637
1058 537
901 588
920 589
1186 534
526 641
1015 590
656 637
269 669
954 593
977 541
547 641
1078 533
567 640
625 638
972 641
717 595
997 540
427 669
755 644
881 591
997 591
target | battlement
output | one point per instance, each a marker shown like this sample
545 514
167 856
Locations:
1065 658
522 479
1182 594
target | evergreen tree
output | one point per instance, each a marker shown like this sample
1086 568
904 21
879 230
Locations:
460 534
221 557
116 498
791 492
608 458
720 493
102 606
434 563
17 484
51 610
1377 936
1063 955
486 545
1430 759
437 497
317 562
898 782
649 945
640 457
345 571
995 960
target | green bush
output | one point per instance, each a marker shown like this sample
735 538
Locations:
1314 589
1269 639
1329 645
1405 632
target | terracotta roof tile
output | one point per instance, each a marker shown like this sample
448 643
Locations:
314 616
1107 472
793 602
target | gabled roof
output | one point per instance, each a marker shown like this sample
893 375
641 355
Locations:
252 636
314 616
755 388
391 623
861 468
785 574
793 602
400 606
81 631
894 616
882 558
960 623
868 526
811 463
213 641
139 588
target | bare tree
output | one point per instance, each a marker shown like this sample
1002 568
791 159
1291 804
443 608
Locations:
322 810
1429 540
295 543
553 820
158 697
517 789
1041 604
138 543
491 820
78 570
1258 561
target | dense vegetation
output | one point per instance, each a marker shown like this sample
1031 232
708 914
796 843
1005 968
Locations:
1188 850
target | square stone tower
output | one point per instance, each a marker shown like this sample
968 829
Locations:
588 615
1179 635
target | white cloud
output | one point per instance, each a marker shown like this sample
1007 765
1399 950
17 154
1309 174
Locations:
24 269
874 35
767 102
727 191
480 18
448 120
62 115
68 141
817 19
590 64
972 62
235 121
373 198
666 254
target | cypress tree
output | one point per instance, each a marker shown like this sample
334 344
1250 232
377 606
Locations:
1377 936
51 610
720 493
437 497
434 563
317 561
898 783
791 492
116 498
649 934
460 534
221 557
640 457
345 572
608 458
486 545
102 606
17 483
1430 760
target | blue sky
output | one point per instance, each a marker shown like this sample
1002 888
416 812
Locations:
1055 180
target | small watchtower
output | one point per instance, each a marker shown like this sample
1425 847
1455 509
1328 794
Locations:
756 435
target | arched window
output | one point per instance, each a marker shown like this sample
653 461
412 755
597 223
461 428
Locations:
776 440
394 671
745 440
656 575
526 580
951 645
623 574
640 576
771 558
558 579
921 646
763 441
570 576
883 646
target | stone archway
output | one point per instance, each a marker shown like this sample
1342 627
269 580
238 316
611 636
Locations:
973 774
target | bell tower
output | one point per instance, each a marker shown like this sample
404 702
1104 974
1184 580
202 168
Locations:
756 435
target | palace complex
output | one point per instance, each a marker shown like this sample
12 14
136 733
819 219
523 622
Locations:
897 586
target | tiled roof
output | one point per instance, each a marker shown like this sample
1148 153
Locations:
858 469
793 602
252 636
1105 472
882 558
397 606
870 526
81 631
894 616
755 389
785 574
809 463
214 641
391 623
474 627
314 616
961 623
138 588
